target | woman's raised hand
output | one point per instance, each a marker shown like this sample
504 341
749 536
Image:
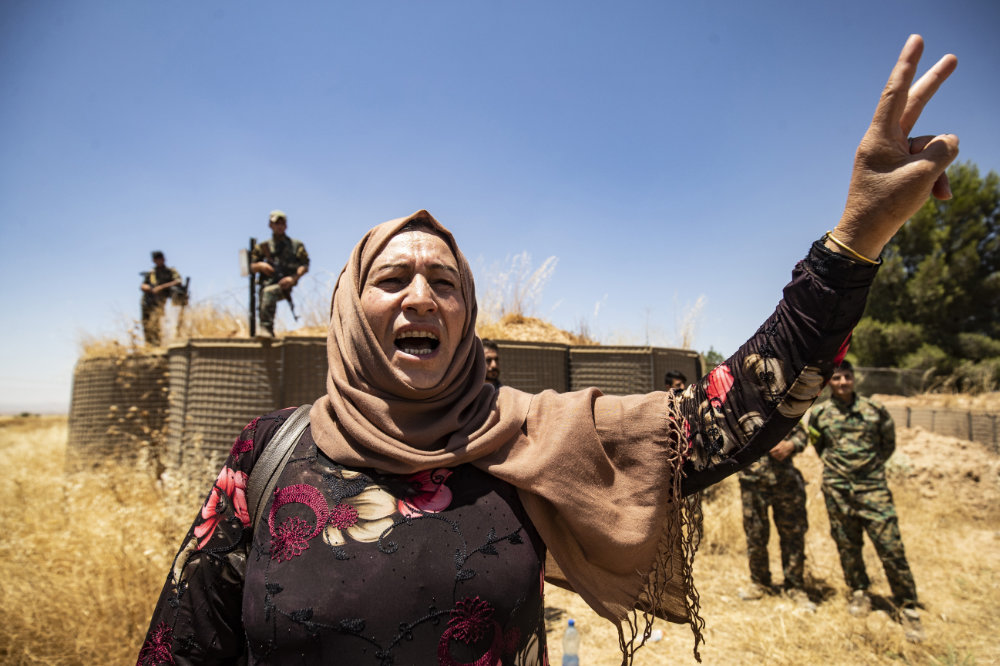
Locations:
893 173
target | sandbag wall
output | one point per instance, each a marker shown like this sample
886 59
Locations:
118 407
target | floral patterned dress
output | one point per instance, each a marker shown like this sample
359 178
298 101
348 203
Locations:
349 566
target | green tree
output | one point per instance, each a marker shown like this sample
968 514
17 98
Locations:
936 300
712 358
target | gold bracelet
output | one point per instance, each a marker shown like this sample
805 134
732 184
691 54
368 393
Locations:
857 255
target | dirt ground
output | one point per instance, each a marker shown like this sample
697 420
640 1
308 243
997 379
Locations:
947 494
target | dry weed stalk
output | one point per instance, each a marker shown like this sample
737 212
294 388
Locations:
689 324
515 288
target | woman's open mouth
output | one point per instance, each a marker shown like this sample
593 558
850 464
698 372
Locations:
417 343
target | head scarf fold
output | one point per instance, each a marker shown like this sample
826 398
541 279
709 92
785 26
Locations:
599 476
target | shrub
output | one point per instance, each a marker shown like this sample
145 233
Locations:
977 347
880 344
972 377
928 357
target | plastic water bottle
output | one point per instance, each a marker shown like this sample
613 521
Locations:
571 645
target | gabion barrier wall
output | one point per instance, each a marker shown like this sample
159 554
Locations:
217 386
303 370
534 366
627 370
118 407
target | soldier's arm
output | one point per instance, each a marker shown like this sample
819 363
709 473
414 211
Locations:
815 434
257 262
887 433
303 258
174 281
799 439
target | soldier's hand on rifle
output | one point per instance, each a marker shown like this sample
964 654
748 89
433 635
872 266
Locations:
145 288
287 282
262 267
782 449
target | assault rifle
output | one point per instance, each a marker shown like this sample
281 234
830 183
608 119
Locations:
178 294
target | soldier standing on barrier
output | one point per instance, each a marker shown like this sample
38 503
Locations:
157 286
279 262
854 437
773 481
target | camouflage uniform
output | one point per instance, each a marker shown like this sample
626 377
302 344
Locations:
778 484
285 255
153 304
854 440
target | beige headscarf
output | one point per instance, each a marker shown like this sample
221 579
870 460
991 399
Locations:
599 476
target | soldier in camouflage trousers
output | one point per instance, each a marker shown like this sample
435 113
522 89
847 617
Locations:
280 263
854 437
773 481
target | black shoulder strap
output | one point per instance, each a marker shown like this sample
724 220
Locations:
265 473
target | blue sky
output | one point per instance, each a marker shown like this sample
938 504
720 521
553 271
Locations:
662 151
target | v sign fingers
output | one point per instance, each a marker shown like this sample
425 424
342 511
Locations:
924 89
892 176
895 95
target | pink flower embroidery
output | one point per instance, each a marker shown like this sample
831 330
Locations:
156 649
364 517
720 381
432 496
344 516
292 536
471 620
290 539
241 446
229 492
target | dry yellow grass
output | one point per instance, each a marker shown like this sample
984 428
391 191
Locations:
528 329
83 557
207 320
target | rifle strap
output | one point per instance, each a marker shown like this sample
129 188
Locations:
265 473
